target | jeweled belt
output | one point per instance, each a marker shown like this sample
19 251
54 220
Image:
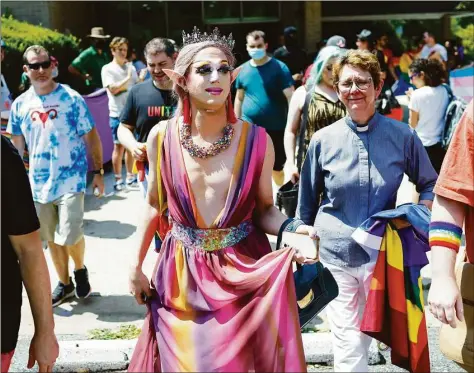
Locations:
211 239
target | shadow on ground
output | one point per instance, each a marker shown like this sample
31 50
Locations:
110 308
91 202
108 229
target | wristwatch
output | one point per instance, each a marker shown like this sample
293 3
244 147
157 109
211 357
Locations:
98 172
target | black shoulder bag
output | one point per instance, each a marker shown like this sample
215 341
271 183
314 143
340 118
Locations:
314 283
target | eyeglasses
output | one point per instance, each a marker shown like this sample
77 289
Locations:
36 66
361 84
413 75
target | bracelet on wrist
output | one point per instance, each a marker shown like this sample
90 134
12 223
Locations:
445 235
100 171
289 225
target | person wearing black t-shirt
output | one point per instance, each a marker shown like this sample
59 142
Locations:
366 41
293 55
149 102
23 261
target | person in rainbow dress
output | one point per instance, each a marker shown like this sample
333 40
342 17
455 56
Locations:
219 299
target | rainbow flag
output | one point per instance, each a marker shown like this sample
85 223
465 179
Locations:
394 313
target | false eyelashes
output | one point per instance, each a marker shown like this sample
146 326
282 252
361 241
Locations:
207 69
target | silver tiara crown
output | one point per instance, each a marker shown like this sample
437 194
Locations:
197 37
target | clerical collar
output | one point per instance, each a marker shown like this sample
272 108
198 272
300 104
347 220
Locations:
362 128
369 127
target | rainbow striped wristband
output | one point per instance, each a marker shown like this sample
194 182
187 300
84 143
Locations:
445 234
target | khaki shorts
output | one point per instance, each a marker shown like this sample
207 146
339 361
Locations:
62 221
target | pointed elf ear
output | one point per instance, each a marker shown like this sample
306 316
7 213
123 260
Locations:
175 77
235 73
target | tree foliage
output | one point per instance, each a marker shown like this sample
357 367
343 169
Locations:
19 35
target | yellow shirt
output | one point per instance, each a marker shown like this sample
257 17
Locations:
405 62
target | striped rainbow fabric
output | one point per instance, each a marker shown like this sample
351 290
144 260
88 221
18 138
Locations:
223 301
462 82
394 313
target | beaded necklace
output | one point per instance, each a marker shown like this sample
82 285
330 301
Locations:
201 152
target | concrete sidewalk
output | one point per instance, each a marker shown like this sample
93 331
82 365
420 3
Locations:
110 225
114 356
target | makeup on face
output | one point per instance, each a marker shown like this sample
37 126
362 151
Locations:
207 67
212 70
208 78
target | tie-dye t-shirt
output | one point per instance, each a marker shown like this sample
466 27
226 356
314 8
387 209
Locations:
53 126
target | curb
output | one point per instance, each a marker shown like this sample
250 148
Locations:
114 355
94 356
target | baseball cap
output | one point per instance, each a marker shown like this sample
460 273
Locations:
336 41
364 34
290 30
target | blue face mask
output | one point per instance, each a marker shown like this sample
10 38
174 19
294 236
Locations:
257 54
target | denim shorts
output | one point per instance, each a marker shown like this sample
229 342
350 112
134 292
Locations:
114 125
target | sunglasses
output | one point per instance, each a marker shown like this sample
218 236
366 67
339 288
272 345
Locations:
36 66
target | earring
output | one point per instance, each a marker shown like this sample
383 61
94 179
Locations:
231 118
186 111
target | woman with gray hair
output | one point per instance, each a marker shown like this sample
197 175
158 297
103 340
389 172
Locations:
221 299
357 164
313 106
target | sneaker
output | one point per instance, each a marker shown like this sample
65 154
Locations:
62 292
83 288
119 185
132 183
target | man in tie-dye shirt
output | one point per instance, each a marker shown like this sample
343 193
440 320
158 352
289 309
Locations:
55 123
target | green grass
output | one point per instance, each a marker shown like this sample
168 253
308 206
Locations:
124 332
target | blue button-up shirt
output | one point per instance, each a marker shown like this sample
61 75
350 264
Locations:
356 174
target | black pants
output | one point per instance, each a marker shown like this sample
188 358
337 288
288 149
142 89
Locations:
436 154
280 156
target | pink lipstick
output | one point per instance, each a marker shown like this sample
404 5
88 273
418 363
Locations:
214 91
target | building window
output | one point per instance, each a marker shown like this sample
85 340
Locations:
222 12
182 15
257 10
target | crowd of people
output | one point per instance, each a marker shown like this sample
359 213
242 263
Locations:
211 166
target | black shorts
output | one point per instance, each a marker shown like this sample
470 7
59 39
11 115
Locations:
280 156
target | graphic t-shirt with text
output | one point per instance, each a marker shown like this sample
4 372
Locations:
146 106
